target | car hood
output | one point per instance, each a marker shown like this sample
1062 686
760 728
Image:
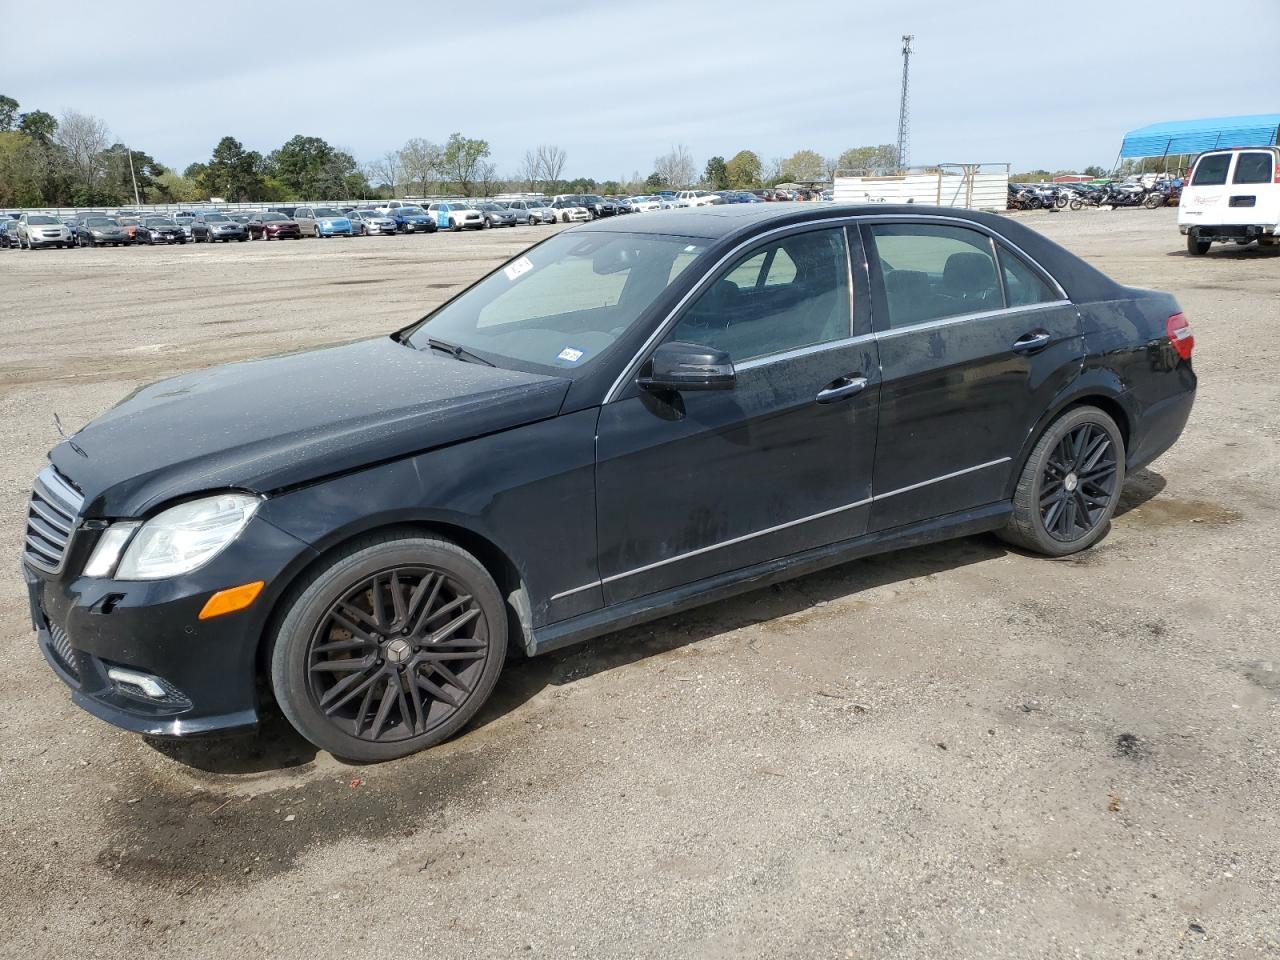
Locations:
265 425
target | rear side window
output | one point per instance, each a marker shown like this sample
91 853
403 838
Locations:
1022 285
1252 168
930 272
1211 171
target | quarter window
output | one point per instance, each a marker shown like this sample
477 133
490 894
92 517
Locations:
1252 168
1211 171
793 293
930 272
1022 285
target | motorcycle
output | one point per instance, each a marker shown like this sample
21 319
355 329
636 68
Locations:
1116 195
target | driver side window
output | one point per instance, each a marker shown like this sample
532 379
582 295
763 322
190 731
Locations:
790 294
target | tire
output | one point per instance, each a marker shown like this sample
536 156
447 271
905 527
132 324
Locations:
1076 204
381 723
1049 523
1152 200
455 225
1197 247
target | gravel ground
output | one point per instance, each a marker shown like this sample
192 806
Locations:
953 751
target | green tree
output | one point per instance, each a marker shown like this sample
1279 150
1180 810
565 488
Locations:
716 175
233 173
804 165
303 165
8 113
118 179
743 170
1094 171
461 159
655 181
38 125
23 170
869 161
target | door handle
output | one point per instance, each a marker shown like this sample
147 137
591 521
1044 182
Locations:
1030 342
841 388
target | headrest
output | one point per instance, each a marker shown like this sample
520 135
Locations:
969 273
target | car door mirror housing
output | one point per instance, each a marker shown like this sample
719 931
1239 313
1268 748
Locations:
684 366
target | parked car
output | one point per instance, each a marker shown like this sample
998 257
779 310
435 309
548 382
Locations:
215 227
242 219
365 528
322 222
99 231
645 204
129 224
696 198
287 211
411 218
539 209
456 215
41 230
153 230
366 223
1232 196
8 233
185 221
496 215
520 212
570 210
272 225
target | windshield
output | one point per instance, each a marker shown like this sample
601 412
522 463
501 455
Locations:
41 220
563 303
272 217
325 212
160 222
415 211
100 222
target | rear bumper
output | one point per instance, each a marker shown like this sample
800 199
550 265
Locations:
1162 424
1230 231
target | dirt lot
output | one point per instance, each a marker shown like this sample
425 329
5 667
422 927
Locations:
957 751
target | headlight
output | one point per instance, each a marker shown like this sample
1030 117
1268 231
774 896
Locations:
96 233
178 540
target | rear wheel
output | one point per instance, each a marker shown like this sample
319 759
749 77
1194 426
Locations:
1197 247
1069 485
390 649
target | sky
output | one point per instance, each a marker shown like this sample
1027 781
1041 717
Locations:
1037 85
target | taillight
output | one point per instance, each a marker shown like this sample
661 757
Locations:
1179 333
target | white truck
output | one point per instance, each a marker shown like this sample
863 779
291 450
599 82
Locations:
1231 196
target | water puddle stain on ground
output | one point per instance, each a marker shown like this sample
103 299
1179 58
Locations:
1166 511
171 837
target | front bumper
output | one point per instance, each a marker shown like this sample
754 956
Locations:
206 670
335 231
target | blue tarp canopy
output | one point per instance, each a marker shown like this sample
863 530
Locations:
1195 136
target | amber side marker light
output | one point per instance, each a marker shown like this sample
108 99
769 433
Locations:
231 599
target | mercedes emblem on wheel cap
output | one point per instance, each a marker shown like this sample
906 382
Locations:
398 651
1070 482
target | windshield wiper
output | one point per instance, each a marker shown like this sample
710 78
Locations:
457 352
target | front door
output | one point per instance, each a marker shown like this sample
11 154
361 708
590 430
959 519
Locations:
701 483
974 344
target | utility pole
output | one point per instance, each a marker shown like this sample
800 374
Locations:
904 106
134 177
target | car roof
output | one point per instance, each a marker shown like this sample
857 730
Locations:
730 223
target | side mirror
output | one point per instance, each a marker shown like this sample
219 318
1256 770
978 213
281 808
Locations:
688 366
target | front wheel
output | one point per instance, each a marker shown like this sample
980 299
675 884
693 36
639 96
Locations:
1197 247
1069 485
1153 200
392 648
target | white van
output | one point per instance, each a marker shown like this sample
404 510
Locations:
1231 196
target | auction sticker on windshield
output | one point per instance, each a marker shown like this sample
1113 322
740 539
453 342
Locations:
569 354
518 267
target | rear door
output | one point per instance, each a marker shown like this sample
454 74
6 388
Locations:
702 483
974 343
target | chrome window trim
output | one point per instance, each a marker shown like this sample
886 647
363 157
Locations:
845 221
769 358
781 526
964 317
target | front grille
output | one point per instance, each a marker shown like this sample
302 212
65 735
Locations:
51 521
60 644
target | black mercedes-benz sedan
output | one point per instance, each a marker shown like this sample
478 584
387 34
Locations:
635 416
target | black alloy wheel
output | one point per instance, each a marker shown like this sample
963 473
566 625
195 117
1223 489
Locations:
391 649
1077 483
1070 485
